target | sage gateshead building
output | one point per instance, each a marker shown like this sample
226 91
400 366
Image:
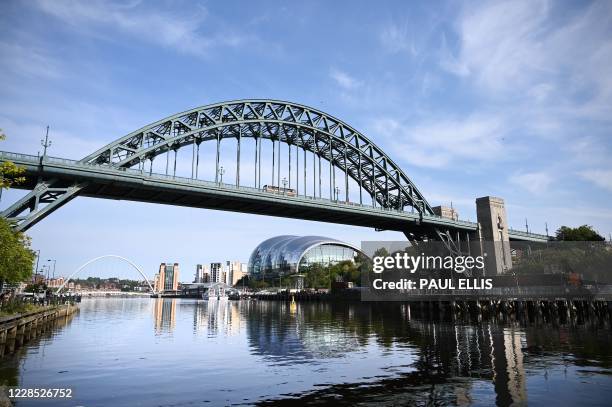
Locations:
287 255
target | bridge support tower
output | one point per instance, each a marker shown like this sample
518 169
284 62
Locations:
493 231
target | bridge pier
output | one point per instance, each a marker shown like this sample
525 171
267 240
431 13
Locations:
495 241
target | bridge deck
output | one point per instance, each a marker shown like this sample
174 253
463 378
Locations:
135 185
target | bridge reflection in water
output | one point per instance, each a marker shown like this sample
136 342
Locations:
441 361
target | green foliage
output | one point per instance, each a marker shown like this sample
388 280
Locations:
593 261
35 288
10 174
16 306
125 285
318 276
381 252
257 284
16 258
579 234
243 281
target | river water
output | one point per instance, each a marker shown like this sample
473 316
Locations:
181 352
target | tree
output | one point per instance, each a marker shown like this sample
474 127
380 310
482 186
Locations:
9 172
381 252
16 257
579 234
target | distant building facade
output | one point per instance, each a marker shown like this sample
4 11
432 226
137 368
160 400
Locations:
202 274
216 271
55 282
287 254
233 272
446 212
167 277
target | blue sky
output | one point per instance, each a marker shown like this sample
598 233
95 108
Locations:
512 99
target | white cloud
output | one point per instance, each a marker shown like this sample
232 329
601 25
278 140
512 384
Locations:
534 182
440 143
29 61
601 178
527 48
499 42
25 137
450 62
395 38
344 80
166 28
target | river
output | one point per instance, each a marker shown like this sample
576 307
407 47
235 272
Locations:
181 352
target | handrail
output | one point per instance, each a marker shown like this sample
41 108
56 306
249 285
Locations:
224 186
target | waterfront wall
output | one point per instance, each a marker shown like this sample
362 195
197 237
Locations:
21 328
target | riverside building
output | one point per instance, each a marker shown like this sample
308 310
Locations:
286 255
167 277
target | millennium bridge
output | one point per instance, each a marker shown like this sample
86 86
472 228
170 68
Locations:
123 170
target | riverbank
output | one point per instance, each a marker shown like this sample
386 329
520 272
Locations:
21 328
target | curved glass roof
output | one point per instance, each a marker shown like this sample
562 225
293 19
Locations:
283 253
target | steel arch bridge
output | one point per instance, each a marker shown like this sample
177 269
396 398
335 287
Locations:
296 125
119 171
134 266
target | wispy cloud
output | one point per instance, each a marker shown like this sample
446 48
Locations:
183 31
29 61
344 80
396 38
523 47
26 137
451 62
499 43
601 178
535 182
440 143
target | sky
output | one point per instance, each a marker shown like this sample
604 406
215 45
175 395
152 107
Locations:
510 99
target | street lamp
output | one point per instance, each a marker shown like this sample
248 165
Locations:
37 261
284 185
46 143
221 172
43 268
53 260
337 191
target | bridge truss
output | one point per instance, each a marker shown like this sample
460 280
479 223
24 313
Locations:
313 136
309 130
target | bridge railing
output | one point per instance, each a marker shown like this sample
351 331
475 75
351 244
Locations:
5 155
192 181
516 232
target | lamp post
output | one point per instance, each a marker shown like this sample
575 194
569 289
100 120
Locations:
221 172
337 191
53 260
284 185
43 268
37 261
45 143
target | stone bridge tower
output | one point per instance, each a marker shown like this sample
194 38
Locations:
493 230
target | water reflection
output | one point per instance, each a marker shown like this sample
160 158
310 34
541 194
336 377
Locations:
14 351
275 353
164 314
445 352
